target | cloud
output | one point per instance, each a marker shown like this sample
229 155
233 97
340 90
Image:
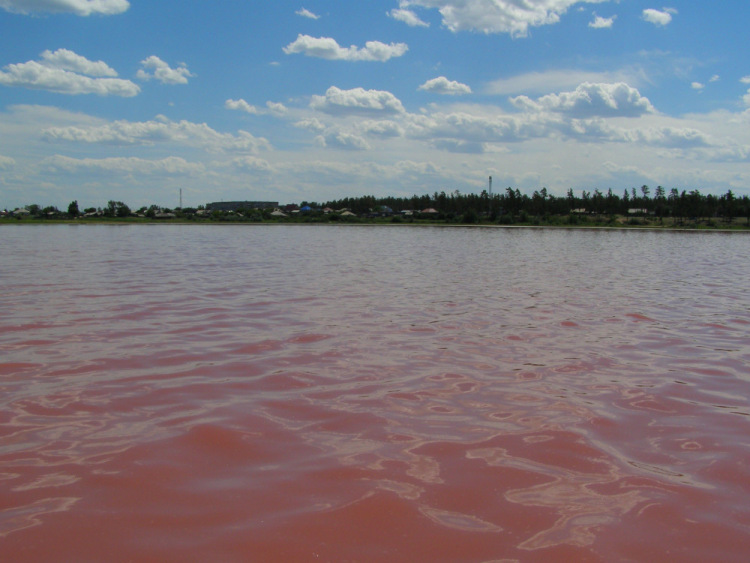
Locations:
252 164
669 137
602 23
441 85
328 48
78 7
700 85
305 13
65 59
6 162
557 80
591 100
357 101
590 114
408 17
337 139
498 16
657 17
310 124
382 129
459 146
732 154
161 130
127 165
462 131
275 108
66 72
745 79
163 72
242 105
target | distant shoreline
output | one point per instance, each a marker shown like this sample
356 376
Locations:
702 225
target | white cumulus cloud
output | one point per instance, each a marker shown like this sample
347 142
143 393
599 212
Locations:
78 7
357 101
498 16
408 17
592 100
602 23
328 48
344 140
468 132
242 105
670 137
305 13
68 60
382 128
310 124
275 108
162 72
66 72
441 85
659 17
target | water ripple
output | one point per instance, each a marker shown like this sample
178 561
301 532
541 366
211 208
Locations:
390 393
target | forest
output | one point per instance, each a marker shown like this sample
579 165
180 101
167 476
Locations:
511 206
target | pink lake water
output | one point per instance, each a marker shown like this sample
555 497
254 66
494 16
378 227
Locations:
344 393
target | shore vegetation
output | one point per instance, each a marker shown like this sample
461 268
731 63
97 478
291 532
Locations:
636 208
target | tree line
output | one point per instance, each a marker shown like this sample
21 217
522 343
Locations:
512 205
506 207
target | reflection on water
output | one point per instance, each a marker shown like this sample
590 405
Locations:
372 393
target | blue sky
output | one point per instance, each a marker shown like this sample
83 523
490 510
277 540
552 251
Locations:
288 101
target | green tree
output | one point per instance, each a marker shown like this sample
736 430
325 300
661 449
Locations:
728 203
571 200
611 203
73 208
746 208
117 209
470 217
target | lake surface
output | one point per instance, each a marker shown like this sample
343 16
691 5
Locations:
349 393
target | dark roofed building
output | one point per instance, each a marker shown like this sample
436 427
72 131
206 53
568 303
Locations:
237 205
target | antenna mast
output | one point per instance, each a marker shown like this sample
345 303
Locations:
489 200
